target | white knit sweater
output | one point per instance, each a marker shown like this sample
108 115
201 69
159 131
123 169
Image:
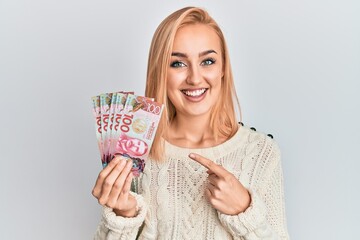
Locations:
172 202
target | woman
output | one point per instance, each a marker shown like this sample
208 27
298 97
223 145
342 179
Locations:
207 177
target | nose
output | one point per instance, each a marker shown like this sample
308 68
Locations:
194 76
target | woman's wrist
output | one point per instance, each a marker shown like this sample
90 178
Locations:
245 203
128 213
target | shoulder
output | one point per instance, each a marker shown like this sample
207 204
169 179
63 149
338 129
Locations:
249 141
254 132
259 138
262 152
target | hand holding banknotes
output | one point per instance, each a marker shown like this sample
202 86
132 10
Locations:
112 187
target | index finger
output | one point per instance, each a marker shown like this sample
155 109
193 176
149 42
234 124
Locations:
213 167
107 170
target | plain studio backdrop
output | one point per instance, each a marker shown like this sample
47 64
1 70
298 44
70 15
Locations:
297 70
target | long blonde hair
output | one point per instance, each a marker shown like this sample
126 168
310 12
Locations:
223 121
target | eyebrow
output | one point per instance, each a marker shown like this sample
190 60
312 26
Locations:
179 54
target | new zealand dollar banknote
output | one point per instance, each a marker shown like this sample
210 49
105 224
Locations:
126 126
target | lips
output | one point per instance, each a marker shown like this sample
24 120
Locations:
194 92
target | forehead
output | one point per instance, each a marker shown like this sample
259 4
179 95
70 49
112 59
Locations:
196 38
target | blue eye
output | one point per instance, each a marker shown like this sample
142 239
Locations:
208 61
177 64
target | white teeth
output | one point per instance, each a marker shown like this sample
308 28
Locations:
195 93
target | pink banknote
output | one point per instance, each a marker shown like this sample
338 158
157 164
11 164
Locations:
128 127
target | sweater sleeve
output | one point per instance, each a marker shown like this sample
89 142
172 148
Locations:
265 217
114 227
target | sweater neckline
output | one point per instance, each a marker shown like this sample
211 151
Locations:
209 152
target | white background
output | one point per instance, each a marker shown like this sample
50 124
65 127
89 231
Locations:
297 71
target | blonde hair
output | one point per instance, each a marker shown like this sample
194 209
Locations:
223 121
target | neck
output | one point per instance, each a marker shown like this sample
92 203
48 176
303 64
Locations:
191 132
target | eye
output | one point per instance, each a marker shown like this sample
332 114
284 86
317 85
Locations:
208 61
177 64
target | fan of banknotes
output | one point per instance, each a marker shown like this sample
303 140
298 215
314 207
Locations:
125 125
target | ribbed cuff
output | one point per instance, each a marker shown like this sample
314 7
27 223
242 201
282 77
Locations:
125 225
249 220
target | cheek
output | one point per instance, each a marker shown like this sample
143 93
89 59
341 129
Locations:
214 74
214 77
174 81
173 98
175 78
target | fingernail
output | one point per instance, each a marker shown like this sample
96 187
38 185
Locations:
191 155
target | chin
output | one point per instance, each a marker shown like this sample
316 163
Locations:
199 112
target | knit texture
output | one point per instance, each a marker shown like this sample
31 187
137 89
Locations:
173 205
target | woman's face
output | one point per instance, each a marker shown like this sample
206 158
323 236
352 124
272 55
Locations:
132 146
195 71
136 147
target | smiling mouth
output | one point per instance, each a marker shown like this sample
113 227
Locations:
195 92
